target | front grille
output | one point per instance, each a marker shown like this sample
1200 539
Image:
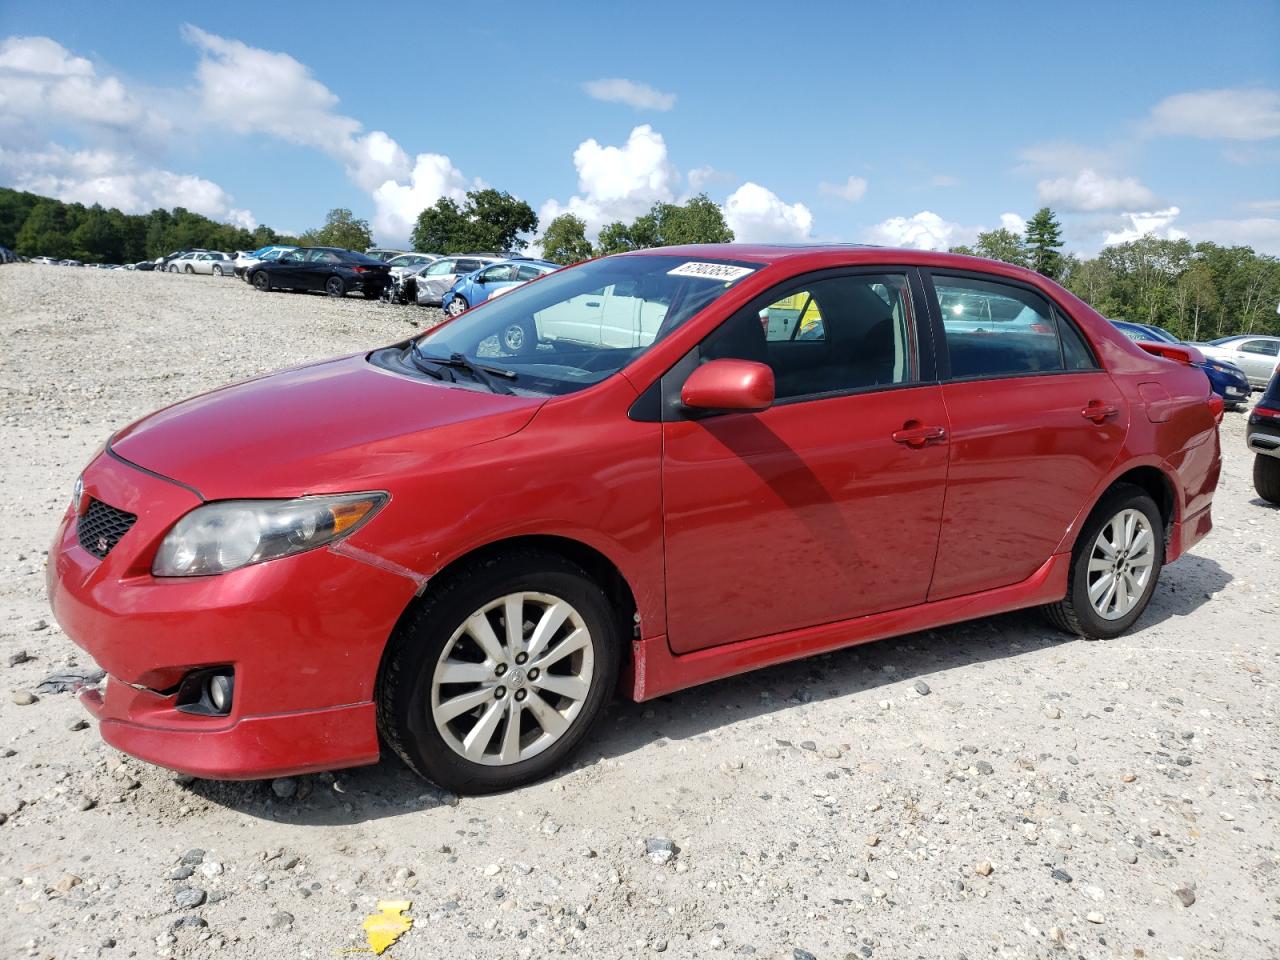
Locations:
101 526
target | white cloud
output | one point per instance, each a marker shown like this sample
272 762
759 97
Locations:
756 214
639 96
249 90
1261 233
617 183
943 180
922 231
1157 223
42 85
1090 190
853 189
116 180
1264 206
1013 222
1230 114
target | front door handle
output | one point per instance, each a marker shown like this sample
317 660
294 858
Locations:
916 434
1098 412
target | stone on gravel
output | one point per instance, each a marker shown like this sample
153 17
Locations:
1094 917
800 954
660 850
24 698
984 868
1126 855
280 920
1185 896
19 657
188 898
79 723
921 688
192 857
1052 712
984 768
284 787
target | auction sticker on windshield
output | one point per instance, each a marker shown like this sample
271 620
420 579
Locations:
710 271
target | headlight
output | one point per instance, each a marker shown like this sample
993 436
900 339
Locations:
225 536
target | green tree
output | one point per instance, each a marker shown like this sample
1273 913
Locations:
699 220
45 232
565 240
1199 297
488 219
341 229
1044 241
1003 245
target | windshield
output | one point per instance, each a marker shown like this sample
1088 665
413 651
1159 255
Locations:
577 326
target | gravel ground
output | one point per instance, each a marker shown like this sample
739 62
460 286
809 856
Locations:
993 789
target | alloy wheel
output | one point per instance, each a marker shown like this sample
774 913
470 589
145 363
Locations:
457 307
1121 563
512 679
335 287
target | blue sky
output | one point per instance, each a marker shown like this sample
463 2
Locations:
887 123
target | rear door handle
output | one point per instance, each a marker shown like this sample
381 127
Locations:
915 434
1098 411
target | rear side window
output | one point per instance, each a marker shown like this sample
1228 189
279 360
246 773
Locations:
528 273
996 329
1267 348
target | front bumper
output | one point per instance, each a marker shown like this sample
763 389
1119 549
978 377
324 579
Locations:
304 636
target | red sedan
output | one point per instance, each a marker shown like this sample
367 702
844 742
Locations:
639 474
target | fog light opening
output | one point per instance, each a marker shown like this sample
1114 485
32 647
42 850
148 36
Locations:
220 687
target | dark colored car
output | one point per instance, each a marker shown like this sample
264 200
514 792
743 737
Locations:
1228 381
1263 437
335 271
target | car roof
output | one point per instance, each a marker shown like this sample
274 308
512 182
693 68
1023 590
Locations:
833 254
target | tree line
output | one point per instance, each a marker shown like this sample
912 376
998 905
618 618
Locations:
1196 291
37 226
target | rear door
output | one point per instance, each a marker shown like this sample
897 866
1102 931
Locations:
1258 358
1035 425
825 506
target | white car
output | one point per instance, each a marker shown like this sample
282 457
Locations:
246 261
212 263
46 261
407 263
1257 356
612 316
436 280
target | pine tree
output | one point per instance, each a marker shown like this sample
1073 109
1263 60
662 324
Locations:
1044 240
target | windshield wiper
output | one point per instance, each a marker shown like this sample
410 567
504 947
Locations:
482 372
432 368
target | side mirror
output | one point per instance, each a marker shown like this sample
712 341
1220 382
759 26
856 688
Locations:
480 278
729 385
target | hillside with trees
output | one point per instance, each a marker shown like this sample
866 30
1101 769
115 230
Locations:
36 226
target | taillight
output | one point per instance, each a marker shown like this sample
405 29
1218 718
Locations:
1216 407
1267 412
360 269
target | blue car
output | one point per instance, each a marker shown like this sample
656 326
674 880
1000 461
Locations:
492 280
1227 380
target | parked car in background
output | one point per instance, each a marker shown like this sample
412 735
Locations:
333 270
384 253
145 265
211 262
492 281
1228 381
461 547
270 252
44 261
436 280
70 263
1263 437
1258 356
163 263
411 262
7 255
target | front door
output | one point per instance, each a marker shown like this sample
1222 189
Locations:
1035 423
827 505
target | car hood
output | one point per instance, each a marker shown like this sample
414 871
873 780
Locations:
339 425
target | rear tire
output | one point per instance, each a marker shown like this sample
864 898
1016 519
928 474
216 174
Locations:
335 287
549 725
1266 477
1098 562
217 271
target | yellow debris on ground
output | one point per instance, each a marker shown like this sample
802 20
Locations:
387 925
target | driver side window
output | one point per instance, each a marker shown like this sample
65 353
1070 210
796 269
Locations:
831 335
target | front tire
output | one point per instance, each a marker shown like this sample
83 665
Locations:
478 702
1266 477
188 269
457 306
261 282
1114 566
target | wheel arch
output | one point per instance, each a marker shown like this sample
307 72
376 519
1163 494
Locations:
602 570
1153 477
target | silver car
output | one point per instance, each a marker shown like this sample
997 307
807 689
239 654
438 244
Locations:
1257 356
411 262
434 281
